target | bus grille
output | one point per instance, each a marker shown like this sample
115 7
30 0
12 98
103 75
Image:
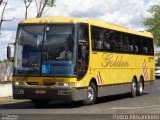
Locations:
41 83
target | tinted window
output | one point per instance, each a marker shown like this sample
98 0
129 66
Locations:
125 39
150 47
97 35
109 40
114 41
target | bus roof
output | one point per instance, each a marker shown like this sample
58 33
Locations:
91 22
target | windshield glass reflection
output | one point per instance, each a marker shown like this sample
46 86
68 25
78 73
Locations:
45 50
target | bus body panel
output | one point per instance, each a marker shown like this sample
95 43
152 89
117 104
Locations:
116 68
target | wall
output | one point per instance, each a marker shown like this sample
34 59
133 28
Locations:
5 89
6 70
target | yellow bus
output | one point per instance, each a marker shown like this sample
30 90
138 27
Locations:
74 59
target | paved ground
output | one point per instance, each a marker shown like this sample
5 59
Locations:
117 104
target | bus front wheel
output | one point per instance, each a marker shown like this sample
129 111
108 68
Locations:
40 103
91 94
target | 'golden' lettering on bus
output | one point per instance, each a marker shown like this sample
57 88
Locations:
114 61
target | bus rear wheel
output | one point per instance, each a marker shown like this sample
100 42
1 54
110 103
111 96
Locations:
134 88
40 103
91 94
140 87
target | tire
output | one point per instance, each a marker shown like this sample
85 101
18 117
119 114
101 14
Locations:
134 88
40 103
140 87
91 95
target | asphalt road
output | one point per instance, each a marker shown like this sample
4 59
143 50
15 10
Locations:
105 107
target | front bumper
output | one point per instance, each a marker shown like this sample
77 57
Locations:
61 93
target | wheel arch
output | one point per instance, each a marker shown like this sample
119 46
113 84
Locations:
95 82
135 77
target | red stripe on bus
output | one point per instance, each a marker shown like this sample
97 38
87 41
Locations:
100 77
98 80
145 72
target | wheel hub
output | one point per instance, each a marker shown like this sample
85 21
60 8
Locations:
140 87
134 87
90 93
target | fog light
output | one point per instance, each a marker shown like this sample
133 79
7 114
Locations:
66 84
21 83
62 84
16 83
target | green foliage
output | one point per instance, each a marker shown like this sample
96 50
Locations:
153 23
4 61
29 0
1 2
44 6
50 3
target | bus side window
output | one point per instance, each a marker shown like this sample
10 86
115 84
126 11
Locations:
106 44
126 46
136 48
99 45
111 41
118 43
145 50
97 38
83 50
131 43
93 37
80 52
145 45
130 48
150 46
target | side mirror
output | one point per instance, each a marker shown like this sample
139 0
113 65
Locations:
8 52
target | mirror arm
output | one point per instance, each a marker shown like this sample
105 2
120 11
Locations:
11 44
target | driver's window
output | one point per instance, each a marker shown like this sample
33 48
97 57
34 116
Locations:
83 50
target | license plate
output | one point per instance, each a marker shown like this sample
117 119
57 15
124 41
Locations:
40 92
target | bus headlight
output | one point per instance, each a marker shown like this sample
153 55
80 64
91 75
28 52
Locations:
62 84
19 83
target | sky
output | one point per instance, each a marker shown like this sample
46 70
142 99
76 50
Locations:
129 13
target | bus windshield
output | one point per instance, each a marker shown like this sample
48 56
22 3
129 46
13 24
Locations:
45 50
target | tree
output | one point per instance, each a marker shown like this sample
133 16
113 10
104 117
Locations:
153 23
1 1
2 19
43 6
27 4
